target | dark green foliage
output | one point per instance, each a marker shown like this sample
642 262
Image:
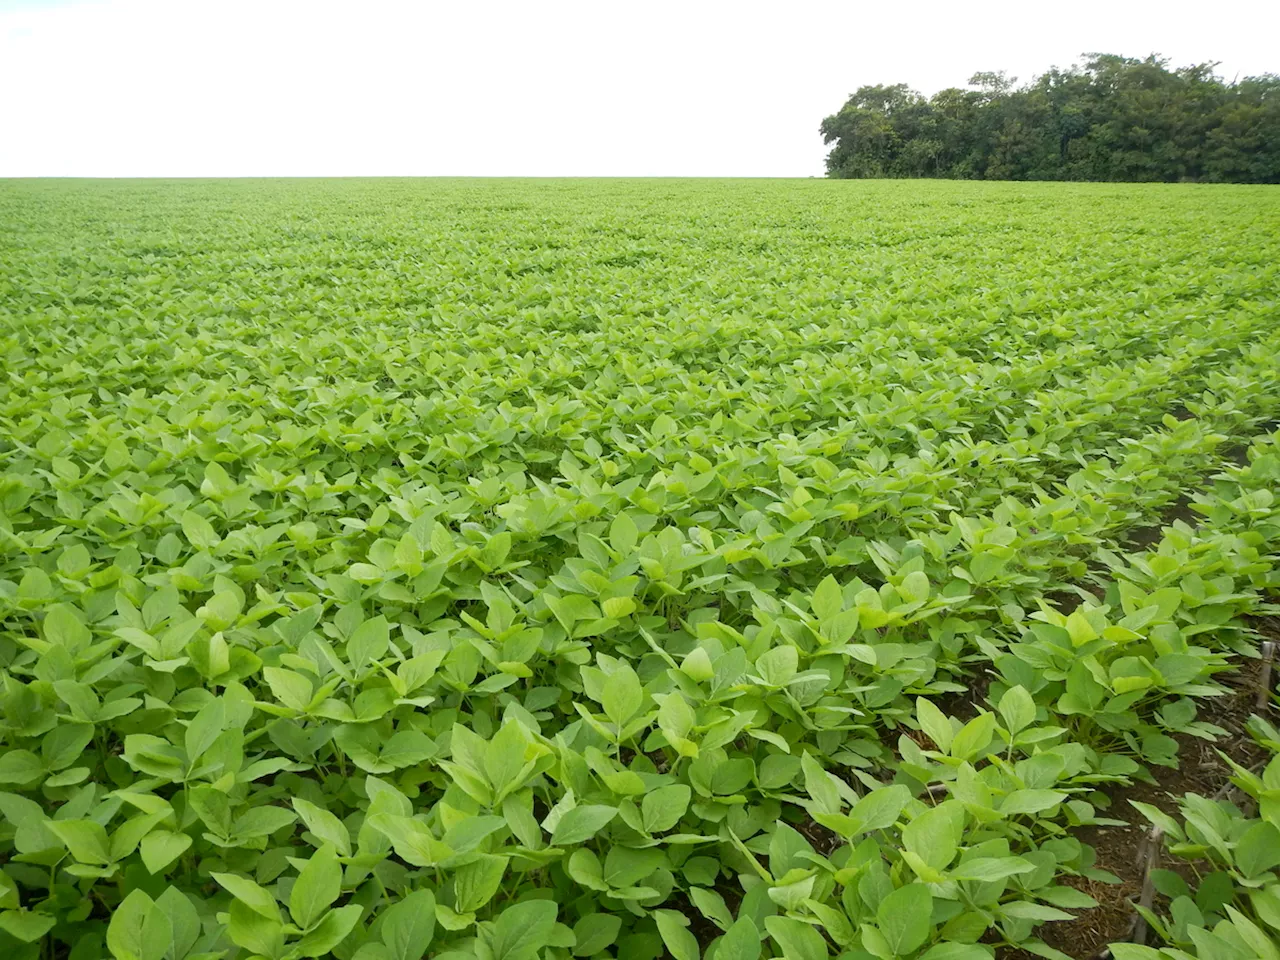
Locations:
1112 118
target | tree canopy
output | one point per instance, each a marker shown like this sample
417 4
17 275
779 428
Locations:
1108 118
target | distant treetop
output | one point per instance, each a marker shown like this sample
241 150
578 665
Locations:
1109 118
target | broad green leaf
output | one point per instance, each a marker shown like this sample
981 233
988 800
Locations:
139 930
623 695
318 885
776 667
184 921
935 724
256 898
25 925
86 839
407 925
1017 709
662 809
1258 849
522 930
204 728
330 931
740 942
582 823
903 917
476 882
161 847
20 766
595 932
796 939
934 835
879 808
327 827
1031 801
827 599
674 928
973 737
991 868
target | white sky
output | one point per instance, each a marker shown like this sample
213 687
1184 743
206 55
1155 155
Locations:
540 88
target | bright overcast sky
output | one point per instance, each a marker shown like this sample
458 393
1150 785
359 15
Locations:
540 88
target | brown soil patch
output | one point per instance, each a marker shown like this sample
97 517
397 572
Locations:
1140 538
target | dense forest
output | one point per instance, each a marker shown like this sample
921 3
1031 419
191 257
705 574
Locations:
1109 118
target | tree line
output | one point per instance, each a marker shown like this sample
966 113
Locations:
1107 118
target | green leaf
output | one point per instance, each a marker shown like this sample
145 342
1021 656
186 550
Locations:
820 786
674 929
956 951
935 724
581 824
1017 709
787 850
199 531
330 931
1067 897
86 839
880 808
369 642
741 942
139 930
326 827
204 729
62 626
65 744
623 534
934 835
915 587
504 756
710 904
662 809
973 737
585 869
407 926
827 599
1254 936
20 766
184 921
622 696
26 926
1024 910
797 940
776 667
412 839
595 932
522 930
253 931
476 882
256 898
262 821
161 847
291 689
1258 849
988 869
1031 801
675 720
319 883
1159 818
904 917
1133 951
